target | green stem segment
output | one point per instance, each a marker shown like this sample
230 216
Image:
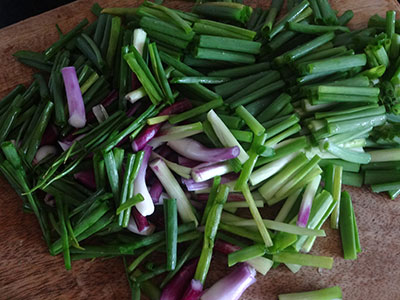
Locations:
112 44
348 228
248 166
324 294
336 191
211 198
171 232
251 122
64 232
290 16
390 23
53 49
245 254
257 216
160 72
142 71
210 232
274 10
127 200
304 260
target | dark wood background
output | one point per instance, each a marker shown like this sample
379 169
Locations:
27 271
13 11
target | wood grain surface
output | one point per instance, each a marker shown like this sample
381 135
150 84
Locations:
27 271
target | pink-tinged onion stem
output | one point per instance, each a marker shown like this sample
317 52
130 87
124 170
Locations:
186 162
86 178
306 202
65 145
207 171
232 197
175 288
146 207
50 135
49 200
76 107
225 247
69 140
194 150
141 221
232 286
156 191
150 131
43 152
194 290
145 136
191 185
110 98
132 227
164 151
131 111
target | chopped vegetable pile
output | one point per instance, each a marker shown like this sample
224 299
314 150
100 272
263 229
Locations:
145 133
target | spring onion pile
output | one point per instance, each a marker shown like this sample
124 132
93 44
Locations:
144 134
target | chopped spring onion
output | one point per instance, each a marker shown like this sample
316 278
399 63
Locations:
146 207
139 39
225 136
174 190
173 290
191 185
194 290
131 202
304 260
270 169
232 286
136 95
332 293
306 203
348 228
246 254
182 171
192 149
304 99
100 113
177 132
271 187
171 231
210 231
207 171
149 132
76 107
157 120
44 152
384 155
272 225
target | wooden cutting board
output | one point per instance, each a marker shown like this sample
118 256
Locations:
27 271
